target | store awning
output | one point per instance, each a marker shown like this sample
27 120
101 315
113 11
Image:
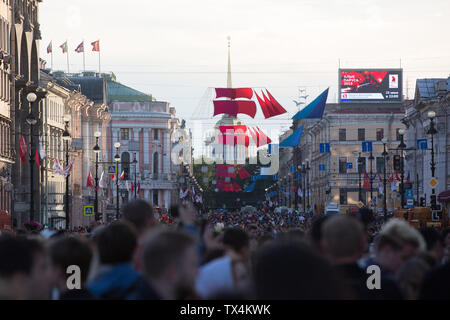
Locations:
444 196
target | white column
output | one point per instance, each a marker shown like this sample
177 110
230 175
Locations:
146 146
136 132
166 198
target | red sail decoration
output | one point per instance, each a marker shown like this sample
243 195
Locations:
243 174
233 140
236 187
259 137
233 107
269 106
234 93
233 129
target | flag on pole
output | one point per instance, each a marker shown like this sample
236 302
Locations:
380 189
132 187
57 167
396 176
113 177
127 186
64 47
80 48
139 187
50 48
40 153
366 184
96 45
90 180
101 183
391 178
22 149
68 169
122 176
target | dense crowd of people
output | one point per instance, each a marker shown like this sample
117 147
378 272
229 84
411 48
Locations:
231 254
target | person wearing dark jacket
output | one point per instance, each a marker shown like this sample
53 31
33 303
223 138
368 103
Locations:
116 278
436 284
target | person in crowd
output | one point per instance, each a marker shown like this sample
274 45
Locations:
410 276
446 238
292 271
140 214
24 272
116 277
66 252
394 245
436 284
435 243
170 265
315 232
216 277
343 242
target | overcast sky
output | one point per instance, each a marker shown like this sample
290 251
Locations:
176 49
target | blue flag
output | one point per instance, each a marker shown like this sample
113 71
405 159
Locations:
315 109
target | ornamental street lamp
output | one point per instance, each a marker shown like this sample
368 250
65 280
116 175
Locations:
402 147
117 159
31 120
66 138
96 150
384 154
432 131
135 175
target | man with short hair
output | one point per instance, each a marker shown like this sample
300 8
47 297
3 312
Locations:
66 252
170 264
344 242
394 245
140 214
24 272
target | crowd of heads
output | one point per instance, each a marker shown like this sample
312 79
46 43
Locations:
227 255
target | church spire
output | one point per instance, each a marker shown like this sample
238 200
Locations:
229 85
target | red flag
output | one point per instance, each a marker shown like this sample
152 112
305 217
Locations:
391 178
90 181
49 48
139 187
113 177
243 174
396 176
96 45
366 184
122 176
132 187
22 149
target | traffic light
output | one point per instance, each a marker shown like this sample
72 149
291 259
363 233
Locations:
397 163
422 202
126 173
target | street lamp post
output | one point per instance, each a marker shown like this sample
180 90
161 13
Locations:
432 131
307 182
117 159
384 154
402 147
31 120
96 150
371 176
304 186
135 176
66 137
359 176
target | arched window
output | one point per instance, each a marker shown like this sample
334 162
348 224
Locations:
155 163
125 161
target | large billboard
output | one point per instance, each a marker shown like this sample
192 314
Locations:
370 85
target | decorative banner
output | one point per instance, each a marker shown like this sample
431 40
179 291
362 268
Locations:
233 107
233 129
315 109
294 139
270 107
234 93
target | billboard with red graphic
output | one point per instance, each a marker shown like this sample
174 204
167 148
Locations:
370 85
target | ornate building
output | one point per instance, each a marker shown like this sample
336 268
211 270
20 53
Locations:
25 101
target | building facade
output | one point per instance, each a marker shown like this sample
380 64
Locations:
144 128
6 148
430 95
332 175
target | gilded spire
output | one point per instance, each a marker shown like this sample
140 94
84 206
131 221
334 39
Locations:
229 85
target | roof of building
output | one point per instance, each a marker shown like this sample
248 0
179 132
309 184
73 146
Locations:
426 88
91 87
121 92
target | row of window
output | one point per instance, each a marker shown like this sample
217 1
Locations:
362 165
4 86
125 160
362 134
5 139
125 134
4 35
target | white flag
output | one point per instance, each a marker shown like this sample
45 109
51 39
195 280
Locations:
102 183
57 167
